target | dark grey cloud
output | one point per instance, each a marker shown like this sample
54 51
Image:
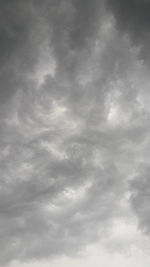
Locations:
23 26
20 35
13 35
133 19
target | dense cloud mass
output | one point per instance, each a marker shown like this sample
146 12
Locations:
74 125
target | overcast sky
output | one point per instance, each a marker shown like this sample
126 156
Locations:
74 133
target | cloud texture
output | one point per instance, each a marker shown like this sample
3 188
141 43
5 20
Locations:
74 125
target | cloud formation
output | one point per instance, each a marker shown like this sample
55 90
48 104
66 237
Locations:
74 127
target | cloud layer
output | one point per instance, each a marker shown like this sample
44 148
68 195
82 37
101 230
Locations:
74 126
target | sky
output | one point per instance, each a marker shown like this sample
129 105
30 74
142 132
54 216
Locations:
74 133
